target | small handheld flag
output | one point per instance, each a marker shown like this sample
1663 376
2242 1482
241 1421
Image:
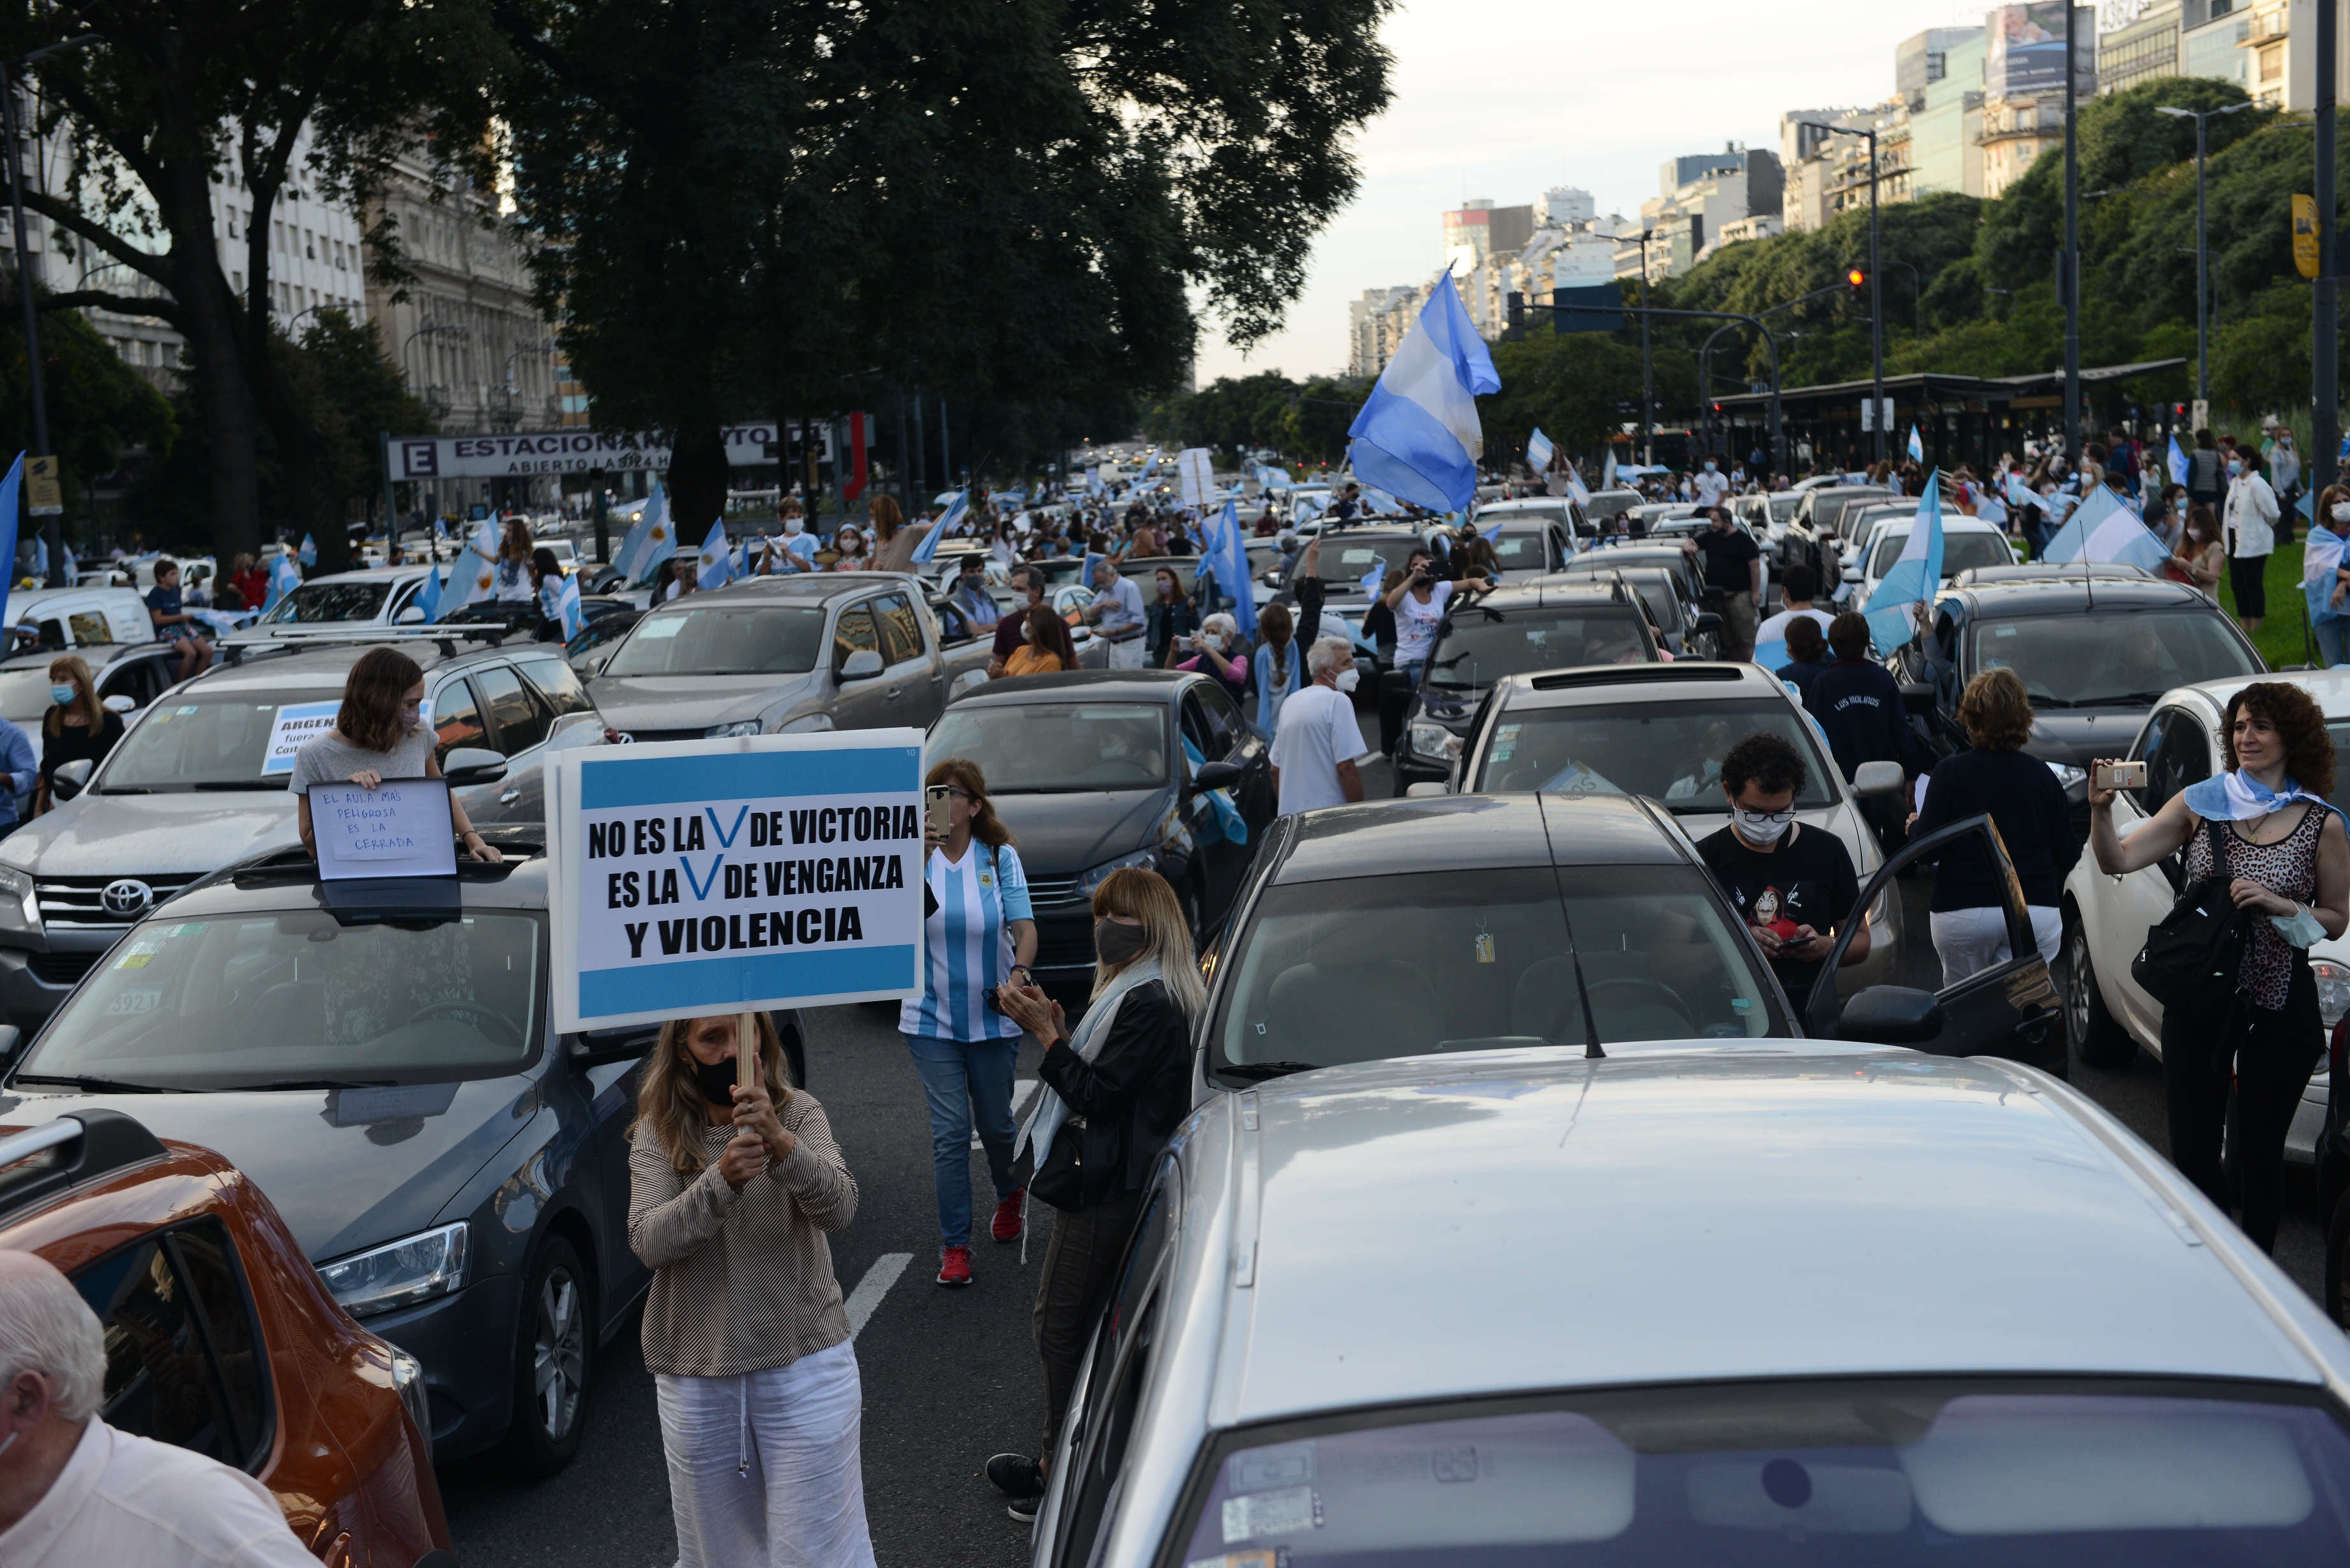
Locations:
717 568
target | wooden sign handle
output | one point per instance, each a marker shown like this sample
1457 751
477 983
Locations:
746 1051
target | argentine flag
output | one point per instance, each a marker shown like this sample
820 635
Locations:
1910 585
1229 558
12 490
428 594
1419 435
949 521
2103 529
1148 468
2177 462
1305 508
2320 559
652 542
474 575
558 600
285 577
717 568
1539 451
1916 447
308 555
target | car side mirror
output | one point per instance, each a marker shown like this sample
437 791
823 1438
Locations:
472 765
1892 1015
71 778
1852 573
412 615
1706 621
1426 790
1918 696
1214 775
118 703
598 1048
1395 683
862 665
1878 778
11 1037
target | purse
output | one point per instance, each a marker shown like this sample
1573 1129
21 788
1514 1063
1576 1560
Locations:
2200 943
1060 1180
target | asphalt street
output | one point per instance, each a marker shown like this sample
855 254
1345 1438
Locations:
950 1376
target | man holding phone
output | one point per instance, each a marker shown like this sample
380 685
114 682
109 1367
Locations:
1791 882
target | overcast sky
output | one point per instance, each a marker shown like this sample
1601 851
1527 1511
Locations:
1503 98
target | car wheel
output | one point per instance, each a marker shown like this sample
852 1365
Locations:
2337 1262
2100 1038
553 1353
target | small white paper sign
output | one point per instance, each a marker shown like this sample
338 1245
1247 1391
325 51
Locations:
1195 469
399 830
296 723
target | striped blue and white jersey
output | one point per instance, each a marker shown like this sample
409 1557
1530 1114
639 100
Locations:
967 945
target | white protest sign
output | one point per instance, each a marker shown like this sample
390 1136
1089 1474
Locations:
401 829
1197 472
294 723
692 877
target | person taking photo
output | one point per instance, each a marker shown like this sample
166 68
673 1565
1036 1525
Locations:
378 734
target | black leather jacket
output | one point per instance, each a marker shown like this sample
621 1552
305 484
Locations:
1132 1095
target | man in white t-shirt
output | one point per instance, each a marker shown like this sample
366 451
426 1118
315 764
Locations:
1797 584
74 1491
1710 483
1316 742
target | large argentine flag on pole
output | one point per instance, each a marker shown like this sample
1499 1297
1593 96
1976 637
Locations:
1419 437
1892 609
2103 529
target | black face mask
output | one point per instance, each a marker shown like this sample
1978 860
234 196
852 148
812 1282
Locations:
1114 942
715 1080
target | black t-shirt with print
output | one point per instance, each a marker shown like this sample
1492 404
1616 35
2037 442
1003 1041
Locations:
1807 880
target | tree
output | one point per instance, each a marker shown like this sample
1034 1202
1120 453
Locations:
100 408
164 97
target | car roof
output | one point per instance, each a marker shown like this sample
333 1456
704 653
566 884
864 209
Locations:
1547 592
2041 572
1570 1223
368 575
97 655
2329 687
1103 685
1683 680
327 663
1496 832
802 587
1524 503
2068 595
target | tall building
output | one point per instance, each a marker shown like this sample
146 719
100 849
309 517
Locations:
2137 40
2024 84
1946 120
1807 157
1709 190
1478 231
1923 58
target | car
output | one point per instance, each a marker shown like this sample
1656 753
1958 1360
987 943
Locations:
1469 1312
220 1337
378 599
788 655
1660 731
1093 771
1966 545
1684 628
1688 570
69 621
1816 520
522 616
193 786
566 551
1606 505
1767 513
1538 533
1538 626
380 1058
2107 917
2043 572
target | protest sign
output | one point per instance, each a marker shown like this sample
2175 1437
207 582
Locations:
694 878
294 723
400 829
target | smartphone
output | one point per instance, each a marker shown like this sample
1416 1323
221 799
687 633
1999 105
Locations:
942 809
2117 776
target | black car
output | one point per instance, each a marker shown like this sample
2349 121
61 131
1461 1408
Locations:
381 1060
1688 570
1510 631
1097 769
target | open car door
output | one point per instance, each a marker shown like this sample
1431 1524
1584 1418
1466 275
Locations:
2010 1009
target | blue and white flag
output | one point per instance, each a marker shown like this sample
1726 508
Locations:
1575 487
1418 434
1910 585
949 521
2321 558
1539 451
1372 581
1228 557
2105 529
1492 536
309 553
285 577
558 600
717 568
1224 811
1916 447
427 596
1607 470
1305 508
2177 462
650 543
12 493
1148 468
2236 796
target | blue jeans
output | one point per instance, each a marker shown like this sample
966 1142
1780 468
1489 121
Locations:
966 1080
2332 643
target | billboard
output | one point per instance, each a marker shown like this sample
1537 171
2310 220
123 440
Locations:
2023 53
513 453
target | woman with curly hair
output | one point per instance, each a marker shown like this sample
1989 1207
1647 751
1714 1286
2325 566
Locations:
2287 859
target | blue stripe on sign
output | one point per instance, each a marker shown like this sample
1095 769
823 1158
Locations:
704 982
606 783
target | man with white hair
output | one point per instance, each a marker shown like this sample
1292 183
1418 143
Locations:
1317 739
1119 612
74 1492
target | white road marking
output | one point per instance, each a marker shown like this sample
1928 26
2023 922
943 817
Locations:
866 1296
1023 1090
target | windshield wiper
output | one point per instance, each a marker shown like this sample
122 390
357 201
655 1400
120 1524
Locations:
309 1084
126 789
2125 700
97 1085
1259 1070
238 783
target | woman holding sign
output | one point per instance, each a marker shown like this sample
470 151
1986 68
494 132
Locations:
378 734
732 1188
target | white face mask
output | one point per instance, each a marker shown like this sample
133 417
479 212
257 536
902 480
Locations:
1764 828
791 525
1709 468
2341 510
1347 679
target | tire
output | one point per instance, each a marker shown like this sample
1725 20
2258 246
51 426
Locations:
2098 1036
555 1333
2337 1295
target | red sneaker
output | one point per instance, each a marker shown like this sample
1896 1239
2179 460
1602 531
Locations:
954 1266
1006 1226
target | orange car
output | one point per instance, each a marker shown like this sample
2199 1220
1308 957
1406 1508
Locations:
220 1337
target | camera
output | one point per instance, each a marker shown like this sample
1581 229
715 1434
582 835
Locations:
993 1003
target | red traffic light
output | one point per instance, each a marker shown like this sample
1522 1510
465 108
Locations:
1855 277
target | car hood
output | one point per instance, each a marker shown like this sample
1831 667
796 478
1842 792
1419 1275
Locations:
130 835
631 703
2076 735
1063 835
348 1168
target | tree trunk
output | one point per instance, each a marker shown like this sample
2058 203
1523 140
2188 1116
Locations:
697 482
224 394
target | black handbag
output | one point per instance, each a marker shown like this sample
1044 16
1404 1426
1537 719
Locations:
2197 945
1060 1180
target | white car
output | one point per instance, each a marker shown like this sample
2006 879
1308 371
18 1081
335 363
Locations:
1538 533
1966 544
2107 917
1733 1302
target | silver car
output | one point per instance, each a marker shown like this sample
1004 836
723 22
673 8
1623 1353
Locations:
1750 1301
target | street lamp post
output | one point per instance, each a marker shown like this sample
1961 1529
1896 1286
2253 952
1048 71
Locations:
1647 379
1876 418
2202 257
52 532
1705 369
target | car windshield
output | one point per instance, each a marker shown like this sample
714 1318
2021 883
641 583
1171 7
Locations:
1980 1475
1670 751
723 640
1959 551
319 602
241 1001
1479 647
1345 562
1376 967
1519 549
198 742
1057 748
2104 659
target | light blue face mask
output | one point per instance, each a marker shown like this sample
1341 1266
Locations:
2299 929
61 695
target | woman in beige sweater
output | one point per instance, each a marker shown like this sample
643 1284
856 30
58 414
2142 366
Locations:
731 1193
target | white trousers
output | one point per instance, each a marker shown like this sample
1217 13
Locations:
763 1468
1126 654
1967 940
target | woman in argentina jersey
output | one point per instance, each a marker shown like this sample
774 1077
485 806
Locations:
980 932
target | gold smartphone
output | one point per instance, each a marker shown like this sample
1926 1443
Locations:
942 809
2117 776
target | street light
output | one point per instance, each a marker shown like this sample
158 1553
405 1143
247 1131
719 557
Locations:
2202 258
1876 418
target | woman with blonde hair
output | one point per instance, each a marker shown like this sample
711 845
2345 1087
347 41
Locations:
731 1194
77 728
1116 1089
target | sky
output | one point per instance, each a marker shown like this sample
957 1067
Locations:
1504 99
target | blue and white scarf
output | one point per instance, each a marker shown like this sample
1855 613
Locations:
2236 796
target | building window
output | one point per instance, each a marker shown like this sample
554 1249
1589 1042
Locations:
2271 62
232 222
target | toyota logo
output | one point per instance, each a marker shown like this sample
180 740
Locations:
127 895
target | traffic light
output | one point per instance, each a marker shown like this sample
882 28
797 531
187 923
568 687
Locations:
1857 277
1517 312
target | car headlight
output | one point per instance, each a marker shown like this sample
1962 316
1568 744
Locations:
407 1376
2066 774
739 727
402 1274
807 724
2333 990
1434 741
1146 859
20 906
